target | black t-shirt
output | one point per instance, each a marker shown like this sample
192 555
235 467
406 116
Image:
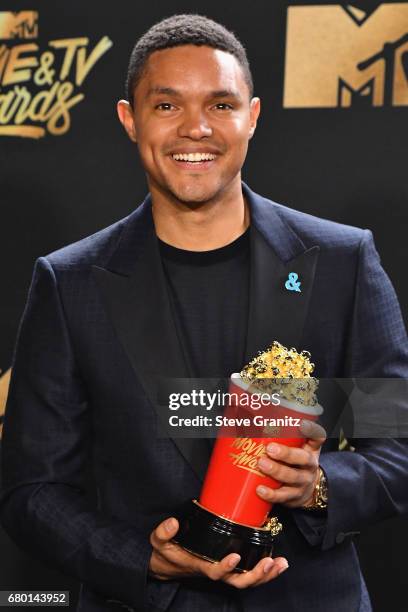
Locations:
209 293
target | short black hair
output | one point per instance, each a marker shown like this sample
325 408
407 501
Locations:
181 30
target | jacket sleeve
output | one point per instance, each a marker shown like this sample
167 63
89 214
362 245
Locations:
371 483
46 451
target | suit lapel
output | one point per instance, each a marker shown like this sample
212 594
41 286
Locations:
275 313
137 300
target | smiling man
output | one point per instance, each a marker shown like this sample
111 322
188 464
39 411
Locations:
194 283
192 113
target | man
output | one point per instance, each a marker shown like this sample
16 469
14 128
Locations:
192 283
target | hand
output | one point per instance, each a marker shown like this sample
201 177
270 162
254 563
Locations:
169 561
296 468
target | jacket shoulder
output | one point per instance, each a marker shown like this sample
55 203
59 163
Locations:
95 249
315 230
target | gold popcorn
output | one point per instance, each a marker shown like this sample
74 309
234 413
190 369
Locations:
284 371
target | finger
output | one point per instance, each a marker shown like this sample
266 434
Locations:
164 532
183 562
315 434
218 571
160 567
166 569
265 570
281 495
172 552
290 455
281 472
273 571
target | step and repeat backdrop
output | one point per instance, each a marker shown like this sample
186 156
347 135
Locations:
331 141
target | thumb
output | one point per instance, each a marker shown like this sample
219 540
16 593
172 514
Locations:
166 530
315 434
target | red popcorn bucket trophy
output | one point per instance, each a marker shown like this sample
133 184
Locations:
229 516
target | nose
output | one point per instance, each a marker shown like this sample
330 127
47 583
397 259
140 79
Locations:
194 125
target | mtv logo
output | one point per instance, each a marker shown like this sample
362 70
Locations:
22 24
339 56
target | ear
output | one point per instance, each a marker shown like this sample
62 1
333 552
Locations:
125 114
254 110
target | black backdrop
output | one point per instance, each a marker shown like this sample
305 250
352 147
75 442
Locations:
346 164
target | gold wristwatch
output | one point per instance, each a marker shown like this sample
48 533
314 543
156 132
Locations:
320 495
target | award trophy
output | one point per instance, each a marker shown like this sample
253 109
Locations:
229 516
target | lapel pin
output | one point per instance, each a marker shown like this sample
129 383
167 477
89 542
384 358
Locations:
292 284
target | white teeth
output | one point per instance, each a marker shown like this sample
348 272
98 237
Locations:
193 157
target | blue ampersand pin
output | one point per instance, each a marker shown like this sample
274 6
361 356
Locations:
292 283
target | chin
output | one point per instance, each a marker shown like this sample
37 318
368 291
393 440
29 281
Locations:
194 194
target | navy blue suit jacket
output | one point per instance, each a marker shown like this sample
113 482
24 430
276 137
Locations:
97 331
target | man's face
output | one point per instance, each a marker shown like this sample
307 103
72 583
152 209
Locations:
192 119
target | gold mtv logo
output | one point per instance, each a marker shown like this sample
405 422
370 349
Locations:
23 24
339 57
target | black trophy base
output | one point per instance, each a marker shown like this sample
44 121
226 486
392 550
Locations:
212 537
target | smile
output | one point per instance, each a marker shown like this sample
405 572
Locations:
194 157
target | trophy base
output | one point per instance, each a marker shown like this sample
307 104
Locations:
212 537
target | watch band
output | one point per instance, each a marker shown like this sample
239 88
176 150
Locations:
320 494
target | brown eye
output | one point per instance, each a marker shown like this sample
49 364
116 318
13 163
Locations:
166 106
223 106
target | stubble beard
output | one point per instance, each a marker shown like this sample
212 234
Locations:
193 193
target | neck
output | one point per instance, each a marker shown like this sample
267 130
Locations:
200 227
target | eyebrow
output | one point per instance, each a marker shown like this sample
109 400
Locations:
169 91
226 93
